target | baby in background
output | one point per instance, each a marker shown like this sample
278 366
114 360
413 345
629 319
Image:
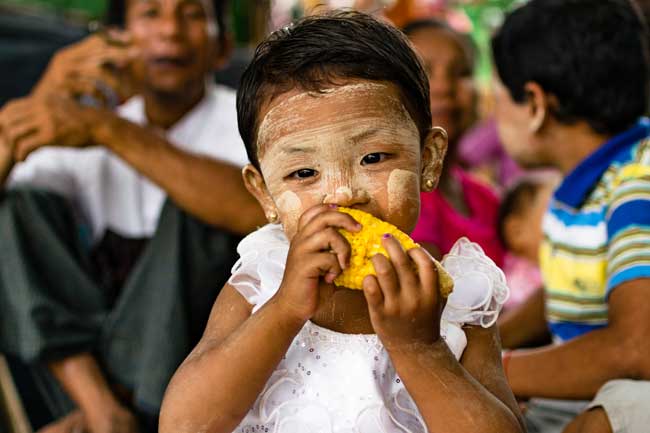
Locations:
519 226
334 112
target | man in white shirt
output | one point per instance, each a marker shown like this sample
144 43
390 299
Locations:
156 184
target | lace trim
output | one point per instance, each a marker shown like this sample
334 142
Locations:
480 288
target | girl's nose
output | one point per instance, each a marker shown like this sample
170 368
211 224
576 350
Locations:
347 197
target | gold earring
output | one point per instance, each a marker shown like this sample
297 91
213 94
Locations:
272 217
429 183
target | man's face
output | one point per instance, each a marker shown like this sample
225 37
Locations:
177 40
513 122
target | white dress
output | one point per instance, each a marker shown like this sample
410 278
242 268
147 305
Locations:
332 382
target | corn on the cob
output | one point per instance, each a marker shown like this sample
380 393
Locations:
367 243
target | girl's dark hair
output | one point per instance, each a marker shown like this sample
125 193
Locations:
466 42
323 50
116 16
590 54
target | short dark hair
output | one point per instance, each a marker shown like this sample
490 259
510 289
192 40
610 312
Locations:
590 54
516 199
323 50
116 16
466 42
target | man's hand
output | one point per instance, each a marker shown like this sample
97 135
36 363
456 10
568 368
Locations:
99 66
111 419
403 298
27 124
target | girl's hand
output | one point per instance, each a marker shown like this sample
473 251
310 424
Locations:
318 252
403 298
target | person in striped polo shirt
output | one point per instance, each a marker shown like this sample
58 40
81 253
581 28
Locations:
573 98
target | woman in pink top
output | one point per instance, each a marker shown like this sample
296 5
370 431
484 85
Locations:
441 224
460 206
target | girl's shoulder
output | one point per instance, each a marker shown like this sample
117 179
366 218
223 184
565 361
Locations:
262 257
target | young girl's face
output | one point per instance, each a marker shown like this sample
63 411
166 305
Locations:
353 145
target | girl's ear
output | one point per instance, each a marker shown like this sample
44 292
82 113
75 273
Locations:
255 185
433 154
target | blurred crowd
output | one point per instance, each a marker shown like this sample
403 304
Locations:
122 201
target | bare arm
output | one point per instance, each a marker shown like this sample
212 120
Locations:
209 189
403 304
579 367
84 382
526 324
452 400
193 401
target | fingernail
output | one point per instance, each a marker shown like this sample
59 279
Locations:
358 226
386 236
333 206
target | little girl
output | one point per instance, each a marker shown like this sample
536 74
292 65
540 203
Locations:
334 112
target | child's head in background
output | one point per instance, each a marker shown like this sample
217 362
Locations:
335 109
520 216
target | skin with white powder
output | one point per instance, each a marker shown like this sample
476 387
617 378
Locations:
368 155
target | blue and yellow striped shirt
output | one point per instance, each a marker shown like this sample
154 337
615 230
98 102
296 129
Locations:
597 233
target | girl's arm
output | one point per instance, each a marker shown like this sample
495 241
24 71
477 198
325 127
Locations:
403 305
220 380
482 360
449 398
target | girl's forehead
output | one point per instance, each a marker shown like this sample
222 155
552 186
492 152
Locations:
357 105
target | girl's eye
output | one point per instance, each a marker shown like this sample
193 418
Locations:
303 173
374 158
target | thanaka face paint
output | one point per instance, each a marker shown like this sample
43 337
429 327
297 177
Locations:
354 145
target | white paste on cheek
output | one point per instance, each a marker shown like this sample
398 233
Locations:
289 204
331 132
403 193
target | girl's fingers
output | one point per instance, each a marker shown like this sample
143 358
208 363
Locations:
322 216
387 279
331 241
408 280
427 271
373 294
328 266
310 214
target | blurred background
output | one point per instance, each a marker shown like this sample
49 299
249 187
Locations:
32 30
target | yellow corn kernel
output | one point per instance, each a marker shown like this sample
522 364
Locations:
367 243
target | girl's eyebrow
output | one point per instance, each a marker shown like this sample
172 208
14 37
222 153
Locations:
364 135
299 149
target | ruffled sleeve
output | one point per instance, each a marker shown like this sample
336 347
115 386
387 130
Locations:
258 272
480 288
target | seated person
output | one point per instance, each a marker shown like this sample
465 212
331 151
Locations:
461 205
573 99
118 227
